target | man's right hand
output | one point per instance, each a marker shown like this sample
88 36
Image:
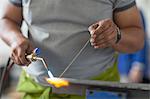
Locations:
20 49
11 17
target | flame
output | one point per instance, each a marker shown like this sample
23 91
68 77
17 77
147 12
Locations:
57 82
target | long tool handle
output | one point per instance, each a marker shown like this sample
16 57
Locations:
46 67
33 57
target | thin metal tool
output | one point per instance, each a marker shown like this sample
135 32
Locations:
46 67
74 59
34 57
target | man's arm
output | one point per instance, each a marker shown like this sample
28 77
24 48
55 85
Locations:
129 22
104 32
10 22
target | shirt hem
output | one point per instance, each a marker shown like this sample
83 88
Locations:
125 7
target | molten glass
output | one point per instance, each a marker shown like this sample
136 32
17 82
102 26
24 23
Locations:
57 82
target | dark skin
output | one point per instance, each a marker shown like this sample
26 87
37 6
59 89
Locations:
103 33
10 21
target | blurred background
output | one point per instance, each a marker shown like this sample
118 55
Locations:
133 68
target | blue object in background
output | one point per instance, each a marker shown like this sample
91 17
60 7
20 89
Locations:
93 94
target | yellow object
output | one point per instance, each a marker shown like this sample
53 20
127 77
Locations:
57 82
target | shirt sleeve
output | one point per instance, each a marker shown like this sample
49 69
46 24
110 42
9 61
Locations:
121 5
17 3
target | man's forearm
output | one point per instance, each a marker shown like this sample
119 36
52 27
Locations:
131 40
9 31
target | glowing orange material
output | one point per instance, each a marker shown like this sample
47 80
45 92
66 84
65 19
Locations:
57 82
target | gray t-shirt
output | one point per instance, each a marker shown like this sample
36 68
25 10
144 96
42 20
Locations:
120 5
60 29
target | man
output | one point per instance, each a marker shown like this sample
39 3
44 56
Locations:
61 28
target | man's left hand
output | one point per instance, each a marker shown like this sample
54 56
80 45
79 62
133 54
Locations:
103 33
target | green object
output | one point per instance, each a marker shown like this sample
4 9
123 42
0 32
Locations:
33 90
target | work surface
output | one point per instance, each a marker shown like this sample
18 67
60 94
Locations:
80 87
96 83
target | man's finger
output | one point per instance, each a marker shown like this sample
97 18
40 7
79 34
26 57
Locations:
30 49
105 35
14 57
16 60
112 39
104 45
21 55
92 28
24 61
103 26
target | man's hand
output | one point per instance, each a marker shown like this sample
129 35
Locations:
103 33
10 24
20 49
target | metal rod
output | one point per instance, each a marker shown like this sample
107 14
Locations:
45 65
77 55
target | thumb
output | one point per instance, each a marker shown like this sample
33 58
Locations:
30 49
92 28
